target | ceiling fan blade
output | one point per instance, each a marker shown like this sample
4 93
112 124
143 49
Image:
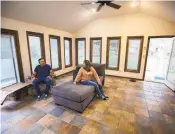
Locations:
86 3
93 2
113 5
99 7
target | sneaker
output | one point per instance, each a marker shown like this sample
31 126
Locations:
45 96
103 97
38 98
106 97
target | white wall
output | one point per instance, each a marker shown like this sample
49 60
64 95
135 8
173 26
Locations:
125 25
22 27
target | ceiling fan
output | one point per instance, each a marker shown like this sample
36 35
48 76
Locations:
102 3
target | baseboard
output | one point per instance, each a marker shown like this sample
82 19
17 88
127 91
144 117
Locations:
124 77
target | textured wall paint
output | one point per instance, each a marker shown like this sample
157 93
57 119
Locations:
125 25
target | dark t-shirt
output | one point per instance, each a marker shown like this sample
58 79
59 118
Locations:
42 71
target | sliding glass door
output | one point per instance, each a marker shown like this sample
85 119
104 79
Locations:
9 65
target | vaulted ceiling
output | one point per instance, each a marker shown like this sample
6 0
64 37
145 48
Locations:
70 16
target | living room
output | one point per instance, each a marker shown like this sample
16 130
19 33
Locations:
130 44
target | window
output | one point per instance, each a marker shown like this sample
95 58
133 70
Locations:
11 65
36 48
133 54
80 50
55 52
113 53
68 51
95 50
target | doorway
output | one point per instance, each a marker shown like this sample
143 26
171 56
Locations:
158 58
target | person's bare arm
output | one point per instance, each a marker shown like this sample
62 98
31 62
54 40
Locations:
51 74
33 75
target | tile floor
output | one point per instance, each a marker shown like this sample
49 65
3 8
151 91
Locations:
133 108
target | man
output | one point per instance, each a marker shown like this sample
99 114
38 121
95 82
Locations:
42 74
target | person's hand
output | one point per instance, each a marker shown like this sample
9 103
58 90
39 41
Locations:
100 84
33 78
50 77
74 83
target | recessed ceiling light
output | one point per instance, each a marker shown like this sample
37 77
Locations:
93 3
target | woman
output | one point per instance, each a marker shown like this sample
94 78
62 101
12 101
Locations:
85 75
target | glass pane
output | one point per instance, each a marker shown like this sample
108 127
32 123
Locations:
96 51
15 58
35 50
113 53
133 53
8 75
81 52
171 70
67 52
158 59
54 53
